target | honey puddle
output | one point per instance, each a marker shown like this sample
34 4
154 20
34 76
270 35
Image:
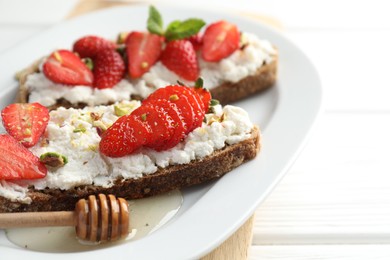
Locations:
146 216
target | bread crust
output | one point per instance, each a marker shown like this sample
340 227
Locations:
264 78
173 177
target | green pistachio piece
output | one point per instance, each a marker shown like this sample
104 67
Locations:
123 109
53 159
79 129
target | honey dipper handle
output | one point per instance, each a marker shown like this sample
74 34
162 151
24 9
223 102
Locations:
37 219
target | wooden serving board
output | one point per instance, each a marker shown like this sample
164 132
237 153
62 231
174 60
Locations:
237 246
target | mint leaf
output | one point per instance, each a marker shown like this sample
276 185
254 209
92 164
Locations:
180 30
173 25
155 21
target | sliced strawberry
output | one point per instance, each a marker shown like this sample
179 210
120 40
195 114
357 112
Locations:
220 40
175 96
143 50
109 69
65 67
177 123
205 97
25 122
197 106
179 56
17 162
159 121
197 41
124 137
89 46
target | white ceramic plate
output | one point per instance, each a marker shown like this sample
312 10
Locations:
213 211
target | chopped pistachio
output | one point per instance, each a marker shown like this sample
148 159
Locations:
53 159
95 116
144 65
57 56
92 148
79 129
143 117
27 131
88 62
100 125
174 97
122 37
122 109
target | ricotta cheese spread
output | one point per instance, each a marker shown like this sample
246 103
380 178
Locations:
74 133
242 63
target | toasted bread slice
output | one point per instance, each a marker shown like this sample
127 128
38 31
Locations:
227 92
173 177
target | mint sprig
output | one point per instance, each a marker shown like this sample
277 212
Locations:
176 30
155 21
184 29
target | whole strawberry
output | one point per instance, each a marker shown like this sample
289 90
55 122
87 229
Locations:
197 41
109 69
179 56
89 46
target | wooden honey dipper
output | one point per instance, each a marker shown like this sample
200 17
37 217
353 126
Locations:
102 219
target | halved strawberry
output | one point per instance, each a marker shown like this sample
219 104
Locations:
143 50
159 121
65 67
220 40
17 162
179 56
89 46
109 68
124 137
25 122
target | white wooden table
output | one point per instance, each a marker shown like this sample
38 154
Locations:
334 203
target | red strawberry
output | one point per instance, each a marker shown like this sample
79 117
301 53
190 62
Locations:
109 69
197 106
143 50
196 40
176 122
17 162
89 46
65 67
167 116
179 56
159 121
205 97
220 40
124 137
182 102
25 122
